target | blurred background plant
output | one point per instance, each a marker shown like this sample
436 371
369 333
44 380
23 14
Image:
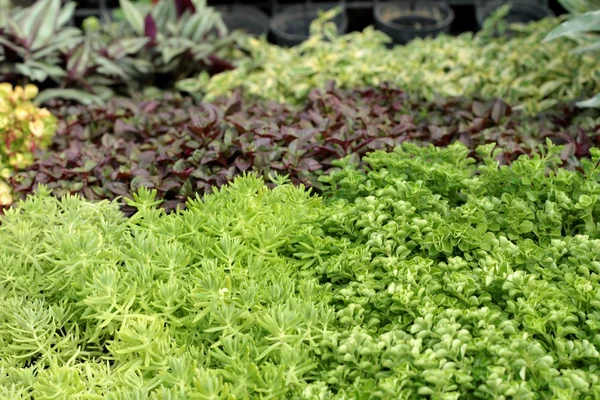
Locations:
152 46
579 6
517 67
581 28
23 129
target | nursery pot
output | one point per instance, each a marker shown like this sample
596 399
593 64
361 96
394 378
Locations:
292 26
407 20
247 18
522 11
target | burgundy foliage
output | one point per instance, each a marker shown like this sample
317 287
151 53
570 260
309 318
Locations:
181 148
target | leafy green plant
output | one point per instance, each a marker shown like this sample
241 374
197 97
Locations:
579 27
153 46
37 46
23 129
579 6
519 69
33 39
457 279
166 306
185 37
423 274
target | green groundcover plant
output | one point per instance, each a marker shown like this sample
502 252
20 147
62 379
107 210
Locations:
425 274
518 67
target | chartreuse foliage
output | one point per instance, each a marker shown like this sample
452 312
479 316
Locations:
423 275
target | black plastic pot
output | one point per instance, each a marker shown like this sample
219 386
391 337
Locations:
521 11
292 26
247 18
406 20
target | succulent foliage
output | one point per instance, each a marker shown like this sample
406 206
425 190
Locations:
425 274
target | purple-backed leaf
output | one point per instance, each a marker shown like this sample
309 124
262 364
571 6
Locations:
143 173
262 144
233 108
436 132
169 184
182 6
138 182
187 189
150 107
39 178
150 28
118 188
239 122
479 109
242 163
309 164
219 65
183 174
499 111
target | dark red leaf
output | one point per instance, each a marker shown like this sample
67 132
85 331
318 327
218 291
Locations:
182 6
150 28
242 163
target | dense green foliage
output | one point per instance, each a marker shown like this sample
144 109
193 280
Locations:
454 272
425 274
515 66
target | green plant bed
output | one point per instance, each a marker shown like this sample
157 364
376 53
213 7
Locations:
424 274
517 67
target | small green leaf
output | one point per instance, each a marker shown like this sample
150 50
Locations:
47 25
66 13
526 227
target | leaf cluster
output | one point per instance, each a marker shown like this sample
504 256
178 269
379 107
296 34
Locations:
180 148
151 47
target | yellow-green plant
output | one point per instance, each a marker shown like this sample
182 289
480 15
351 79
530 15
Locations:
23 128
516 67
